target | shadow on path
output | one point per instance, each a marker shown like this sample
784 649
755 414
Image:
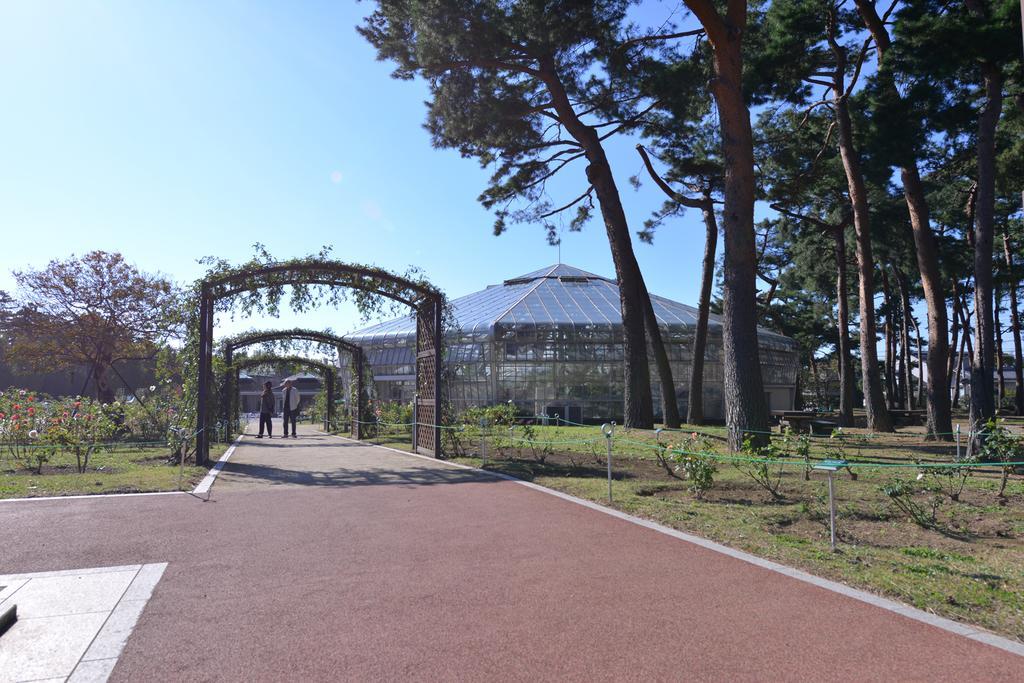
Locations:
347 476
318 460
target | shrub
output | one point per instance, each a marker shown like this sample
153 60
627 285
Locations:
700 471
835 449
691 461
33 430
22 418
529 436
901 492
764 467
800 446
1001 446
492 424
79 426
950 480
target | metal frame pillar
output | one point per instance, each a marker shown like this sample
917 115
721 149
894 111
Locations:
329 408
356 407
205 367
428 378
228 391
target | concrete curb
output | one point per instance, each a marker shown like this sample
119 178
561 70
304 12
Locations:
211 476
93 495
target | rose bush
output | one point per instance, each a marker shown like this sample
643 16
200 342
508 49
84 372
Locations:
22 420
35 427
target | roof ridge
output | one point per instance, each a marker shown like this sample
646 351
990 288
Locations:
528 292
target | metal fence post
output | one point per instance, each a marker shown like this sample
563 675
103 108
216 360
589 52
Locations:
958 441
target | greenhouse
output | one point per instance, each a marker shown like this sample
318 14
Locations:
551 342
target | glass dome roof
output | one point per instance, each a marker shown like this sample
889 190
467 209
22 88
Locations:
559 295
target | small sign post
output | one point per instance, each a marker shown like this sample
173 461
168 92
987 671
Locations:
608 430
830 467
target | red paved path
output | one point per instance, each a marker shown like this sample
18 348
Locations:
419 571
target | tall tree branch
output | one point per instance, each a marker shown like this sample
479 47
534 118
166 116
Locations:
666 188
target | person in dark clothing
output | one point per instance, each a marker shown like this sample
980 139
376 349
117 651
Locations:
291 407
267 402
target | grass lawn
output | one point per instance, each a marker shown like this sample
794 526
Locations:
967 564
125 468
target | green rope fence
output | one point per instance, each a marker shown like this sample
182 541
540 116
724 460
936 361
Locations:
723 457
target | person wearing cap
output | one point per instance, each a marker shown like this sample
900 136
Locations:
291 407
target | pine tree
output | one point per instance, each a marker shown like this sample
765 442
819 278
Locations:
516 86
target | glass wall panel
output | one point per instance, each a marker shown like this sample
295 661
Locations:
573 369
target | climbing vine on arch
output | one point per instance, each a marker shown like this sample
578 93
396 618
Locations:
294 341
263 284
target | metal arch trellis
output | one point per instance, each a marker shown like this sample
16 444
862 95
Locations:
329 371
366 283
230 383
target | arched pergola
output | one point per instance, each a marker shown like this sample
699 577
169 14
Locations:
367 284
326 369
252 338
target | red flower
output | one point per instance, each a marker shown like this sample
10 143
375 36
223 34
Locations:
31 399
16 406
77 404
31 410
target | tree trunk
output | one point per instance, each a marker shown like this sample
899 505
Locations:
965 326
1000 382
982 365
846 378
695 405
104 390
890 344
798 395
920 363
670 408
1018 356
959 369
954 340
638 409
745 407
966 346
940 421
819 395
907 315
744 387
874 402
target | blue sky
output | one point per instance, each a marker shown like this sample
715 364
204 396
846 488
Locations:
169 131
